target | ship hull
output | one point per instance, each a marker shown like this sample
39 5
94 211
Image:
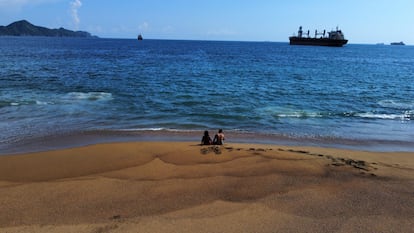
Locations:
317 41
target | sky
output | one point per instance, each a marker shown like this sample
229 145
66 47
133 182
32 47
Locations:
362 21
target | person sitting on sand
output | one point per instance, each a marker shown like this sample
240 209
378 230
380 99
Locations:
206 140
219 138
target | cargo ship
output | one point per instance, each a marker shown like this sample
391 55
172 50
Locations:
333 38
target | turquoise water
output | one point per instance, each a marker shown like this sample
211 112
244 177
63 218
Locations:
359 95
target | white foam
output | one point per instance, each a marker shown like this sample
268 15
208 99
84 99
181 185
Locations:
143 129
300 115
92 96
41 102
406 116
283 112
396 104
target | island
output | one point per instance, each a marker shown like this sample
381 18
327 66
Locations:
24 28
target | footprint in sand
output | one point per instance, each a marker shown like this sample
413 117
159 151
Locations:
212 149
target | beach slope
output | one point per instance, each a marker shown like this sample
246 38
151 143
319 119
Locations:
184 187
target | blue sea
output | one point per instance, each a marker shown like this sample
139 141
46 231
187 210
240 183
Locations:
61 92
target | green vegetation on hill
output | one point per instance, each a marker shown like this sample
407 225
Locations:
24 28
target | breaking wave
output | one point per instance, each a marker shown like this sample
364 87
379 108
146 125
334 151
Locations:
92 96
278 112
408 115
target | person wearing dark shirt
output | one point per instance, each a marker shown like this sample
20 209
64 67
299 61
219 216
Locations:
206 140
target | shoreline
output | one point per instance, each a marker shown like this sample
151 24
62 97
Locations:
85 138
185 187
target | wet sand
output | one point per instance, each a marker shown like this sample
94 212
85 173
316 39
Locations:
185 187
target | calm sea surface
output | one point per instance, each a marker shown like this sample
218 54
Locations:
60 92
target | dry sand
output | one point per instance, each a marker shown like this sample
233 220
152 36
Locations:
183 187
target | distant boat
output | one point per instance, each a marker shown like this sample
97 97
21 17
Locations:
140 37
397 43
334 38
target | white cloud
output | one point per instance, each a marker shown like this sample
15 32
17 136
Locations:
168 29
144 26
221 32
74 7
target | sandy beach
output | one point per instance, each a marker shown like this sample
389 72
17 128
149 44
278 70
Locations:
185 187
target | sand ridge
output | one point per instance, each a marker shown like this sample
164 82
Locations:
184 187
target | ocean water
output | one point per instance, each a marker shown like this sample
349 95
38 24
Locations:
59 92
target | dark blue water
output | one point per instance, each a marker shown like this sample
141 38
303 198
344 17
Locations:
356 95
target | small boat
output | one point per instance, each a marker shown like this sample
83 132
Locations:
334 38
397 43
140 37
